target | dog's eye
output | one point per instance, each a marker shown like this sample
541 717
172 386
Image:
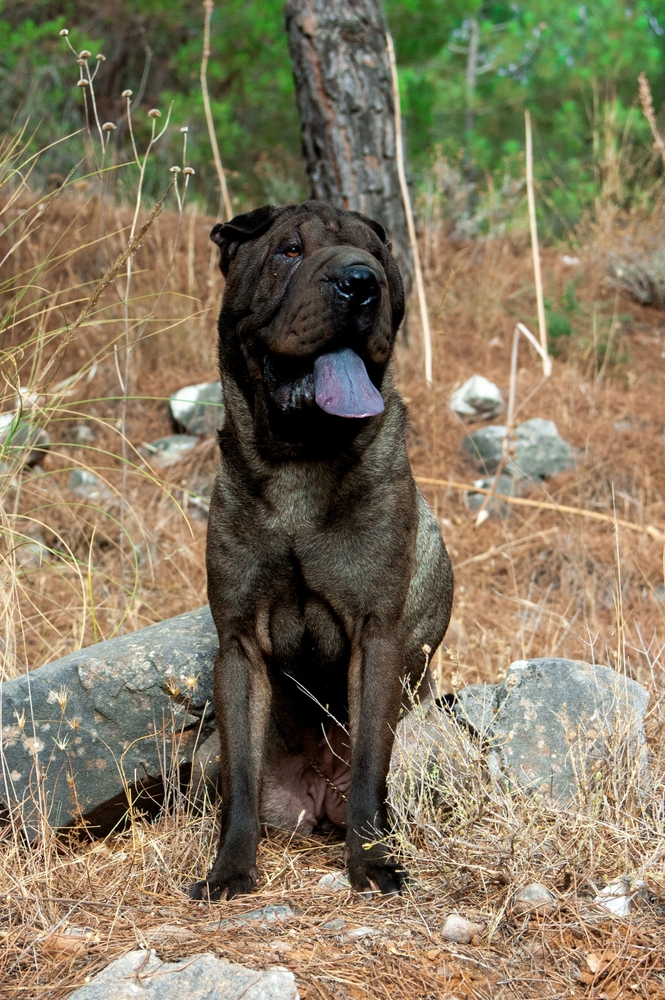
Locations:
292 250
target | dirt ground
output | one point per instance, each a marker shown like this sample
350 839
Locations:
541 581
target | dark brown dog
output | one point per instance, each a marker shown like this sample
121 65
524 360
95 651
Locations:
326 570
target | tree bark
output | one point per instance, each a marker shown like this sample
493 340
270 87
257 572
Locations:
347 113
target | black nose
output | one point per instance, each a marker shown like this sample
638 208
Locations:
357 283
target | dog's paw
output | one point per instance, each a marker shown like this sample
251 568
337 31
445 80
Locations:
225 887
388 877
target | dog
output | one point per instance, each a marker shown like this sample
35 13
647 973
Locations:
328 578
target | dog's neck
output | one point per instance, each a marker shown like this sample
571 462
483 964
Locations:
250 439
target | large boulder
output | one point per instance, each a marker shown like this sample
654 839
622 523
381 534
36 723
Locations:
554 726
199 977
77 732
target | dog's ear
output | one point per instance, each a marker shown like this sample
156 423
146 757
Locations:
241 228
376 226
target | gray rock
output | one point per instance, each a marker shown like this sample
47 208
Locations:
88 486
84 434
484 447
620 897
478 398
475 707
536 450
555 723
198 409
335 881
168 450
199 977
334 925
21 442
532 897
31 553
496 506
460 930
98 714
539 450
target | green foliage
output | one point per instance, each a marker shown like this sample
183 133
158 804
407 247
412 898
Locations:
249 77
573 65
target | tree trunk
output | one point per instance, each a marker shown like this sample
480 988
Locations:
347 112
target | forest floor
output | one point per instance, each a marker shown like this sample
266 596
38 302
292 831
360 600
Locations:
542 581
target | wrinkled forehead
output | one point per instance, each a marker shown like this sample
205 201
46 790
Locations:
317 231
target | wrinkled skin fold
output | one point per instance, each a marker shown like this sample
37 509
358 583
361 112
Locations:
327 573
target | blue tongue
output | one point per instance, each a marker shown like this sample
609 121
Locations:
342 386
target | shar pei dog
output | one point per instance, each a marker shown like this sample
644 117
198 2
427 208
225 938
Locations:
327 573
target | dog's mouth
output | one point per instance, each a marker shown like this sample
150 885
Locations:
337 382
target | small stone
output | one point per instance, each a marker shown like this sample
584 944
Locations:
169 934
619 897
273 913
198 409
496 507
21 442
478 398
84 434
540 451
31 553
358 933
168 450
534 896
335 881
199 977
484 447
88 486
334 925
459 929
536 450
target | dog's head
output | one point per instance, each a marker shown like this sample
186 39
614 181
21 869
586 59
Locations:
312 304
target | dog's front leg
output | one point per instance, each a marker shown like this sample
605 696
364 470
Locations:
375 690
242 707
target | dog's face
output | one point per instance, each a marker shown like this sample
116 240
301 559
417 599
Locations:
311 308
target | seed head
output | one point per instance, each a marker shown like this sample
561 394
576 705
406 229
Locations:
85 54
189 171
100 57
109 127
127 93
63 32
175 170
154 113
83 83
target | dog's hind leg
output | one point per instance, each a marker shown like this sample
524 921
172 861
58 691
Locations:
375 691
242 708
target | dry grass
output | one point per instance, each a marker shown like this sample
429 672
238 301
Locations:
540 582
